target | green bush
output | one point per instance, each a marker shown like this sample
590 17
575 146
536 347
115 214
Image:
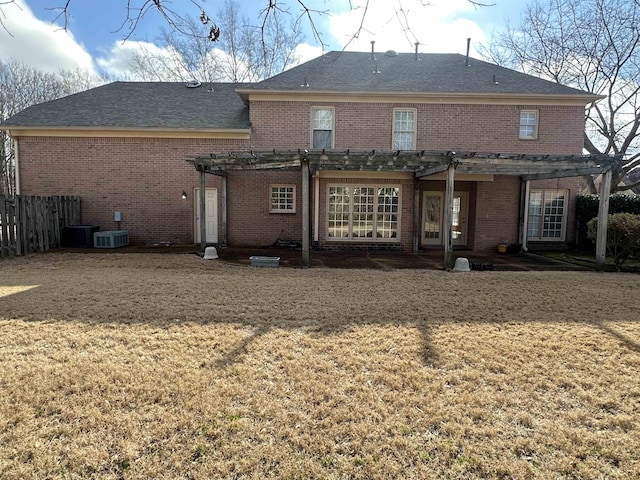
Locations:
623 235
587 208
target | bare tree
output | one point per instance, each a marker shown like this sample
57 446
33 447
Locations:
593 45
243 53
22 86
298 11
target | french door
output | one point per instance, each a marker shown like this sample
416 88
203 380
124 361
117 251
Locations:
433 218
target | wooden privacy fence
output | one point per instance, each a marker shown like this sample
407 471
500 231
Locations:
34 224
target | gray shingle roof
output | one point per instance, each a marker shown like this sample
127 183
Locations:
402 73
142 105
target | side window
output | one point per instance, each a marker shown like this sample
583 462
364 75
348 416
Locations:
404 130
322 127
547 215
529 124
282 199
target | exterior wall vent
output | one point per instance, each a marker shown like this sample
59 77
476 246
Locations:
111 239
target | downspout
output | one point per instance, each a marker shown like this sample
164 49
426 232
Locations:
16 165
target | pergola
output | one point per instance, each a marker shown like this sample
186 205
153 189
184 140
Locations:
421 164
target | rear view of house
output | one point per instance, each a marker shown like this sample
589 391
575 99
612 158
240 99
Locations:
398 147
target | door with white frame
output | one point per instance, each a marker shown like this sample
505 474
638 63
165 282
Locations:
211 214
433 218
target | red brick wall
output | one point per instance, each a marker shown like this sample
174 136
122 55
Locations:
142 178
480 128
250 222
497 206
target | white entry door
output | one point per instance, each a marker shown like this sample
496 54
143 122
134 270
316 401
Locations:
211 214
433 217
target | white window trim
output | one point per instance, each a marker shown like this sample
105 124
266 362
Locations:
350 239
282 210
563 232
535 127
415 125
333 124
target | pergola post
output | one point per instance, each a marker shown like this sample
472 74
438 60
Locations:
526 191
202 213
305 212
416 216
448 218
224 210
603 219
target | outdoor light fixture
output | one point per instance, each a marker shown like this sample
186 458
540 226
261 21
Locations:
184 195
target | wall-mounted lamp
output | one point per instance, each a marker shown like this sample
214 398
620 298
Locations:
184 195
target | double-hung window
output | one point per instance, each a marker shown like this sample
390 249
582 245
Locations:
404 129
528 124
547 215
322 124
365 213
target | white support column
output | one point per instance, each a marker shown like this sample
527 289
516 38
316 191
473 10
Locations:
203 215
603 220
448 218
305 212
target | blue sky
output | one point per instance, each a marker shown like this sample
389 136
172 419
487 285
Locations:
92 40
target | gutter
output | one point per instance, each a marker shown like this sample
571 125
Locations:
79 131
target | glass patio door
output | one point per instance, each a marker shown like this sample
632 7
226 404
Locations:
433 218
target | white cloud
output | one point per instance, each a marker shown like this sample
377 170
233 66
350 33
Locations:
305 52
118 62
441 26
39 44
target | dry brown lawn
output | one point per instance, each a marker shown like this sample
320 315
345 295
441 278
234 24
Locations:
168 366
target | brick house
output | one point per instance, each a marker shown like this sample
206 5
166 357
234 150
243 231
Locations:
512 141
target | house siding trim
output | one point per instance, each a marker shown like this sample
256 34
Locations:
420 98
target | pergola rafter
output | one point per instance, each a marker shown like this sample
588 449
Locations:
420 163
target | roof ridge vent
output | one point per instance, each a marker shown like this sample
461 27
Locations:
390 53
193 84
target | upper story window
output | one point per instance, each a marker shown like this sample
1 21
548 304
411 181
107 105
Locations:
404 130
529 124
322 122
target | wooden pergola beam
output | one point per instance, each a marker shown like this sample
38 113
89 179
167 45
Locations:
419 163
576 172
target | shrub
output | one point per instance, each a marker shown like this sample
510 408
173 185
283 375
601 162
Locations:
623 235
587 208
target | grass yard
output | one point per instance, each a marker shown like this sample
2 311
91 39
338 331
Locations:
137 366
